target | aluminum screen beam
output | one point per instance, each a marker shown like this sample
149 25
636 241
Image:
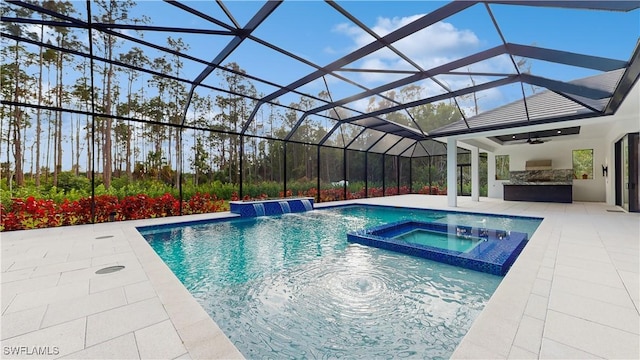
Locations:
255 21
629 78
442 69
417 25
200 14
162 28
565 57
574 4
373 34
589 5
563 87
228 13
465 91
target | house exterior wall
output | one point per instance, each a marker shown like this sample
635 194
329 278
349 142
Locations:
560 153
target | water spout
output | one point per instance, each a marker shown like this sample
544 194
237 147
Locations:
307 204
284 206
259 209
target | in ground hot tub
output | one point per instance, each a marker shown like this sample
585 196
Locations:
480 249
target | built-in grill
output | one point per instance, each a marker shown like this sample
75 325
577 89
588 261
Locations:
537 165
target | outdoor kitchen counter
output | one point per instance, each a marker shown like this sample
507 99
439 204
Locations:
545 191
537 183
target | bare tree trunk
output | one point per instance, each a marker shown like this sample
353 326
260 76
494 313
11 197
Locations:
106 173
38 112
88 138
16 124
48 152
17 143
128 155
58 151
178 155
73 147
78 146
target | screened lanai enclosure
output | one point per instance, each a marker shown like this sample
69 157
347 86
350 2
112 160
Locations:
115 110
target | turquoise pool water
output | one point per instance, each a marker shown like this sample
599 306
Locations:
291 286
439 240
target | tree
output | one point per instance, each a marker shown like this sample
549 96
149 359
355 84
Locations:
137 58
113 11
20 88
81 91
234 111
200 161
178 92
64 39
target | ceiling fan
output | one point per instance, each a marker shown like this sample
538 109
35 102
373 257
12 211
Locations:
534 141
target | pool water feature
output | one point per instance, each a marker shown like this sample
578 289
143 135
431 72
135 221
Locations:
284 206
270 207
292 286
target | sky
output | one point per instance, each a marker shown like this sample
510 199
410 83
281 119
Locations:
314 31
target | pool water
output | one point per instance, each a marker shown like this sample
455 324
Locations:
291 286
439 240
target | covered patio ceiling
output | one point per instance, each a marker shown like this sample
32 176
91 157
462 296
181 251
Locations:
371 95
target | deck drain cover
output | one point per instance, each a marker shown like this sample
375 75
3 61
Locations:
104 237
110 269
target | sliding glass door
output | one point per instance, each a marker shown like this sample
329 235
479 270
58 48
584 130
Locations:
627 172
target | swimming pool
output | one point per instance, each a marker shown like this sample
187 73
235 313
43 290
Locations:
292 286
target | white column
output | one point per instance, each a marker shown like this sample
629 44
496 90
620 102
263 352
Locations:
475 174
452 170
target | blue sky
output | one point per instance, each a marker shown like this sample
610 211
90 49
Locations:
314 31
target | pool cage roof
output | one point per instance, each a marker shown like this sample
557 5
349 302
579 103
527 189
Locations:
339 76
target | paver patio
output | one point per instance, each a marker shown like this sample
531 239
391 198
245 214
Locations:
572 293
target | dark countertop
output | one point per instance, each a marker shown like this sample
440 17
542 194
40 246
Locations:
537 183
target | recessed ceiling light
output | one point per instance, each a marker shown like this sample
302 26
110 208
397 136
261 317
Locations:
513 137
559 131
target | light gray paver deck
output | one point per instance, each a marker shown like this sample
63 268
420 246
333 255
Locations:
572 293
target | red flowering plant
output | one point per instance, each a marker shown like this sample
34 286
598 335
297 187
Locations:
136 207
35 213
356 195
375 192
202 203
166 205
72 213
313 192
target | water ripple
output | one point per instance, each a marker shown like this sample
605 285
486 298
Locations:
292 288
356 305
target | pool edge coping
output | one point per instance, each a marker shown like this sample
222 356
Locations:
503 328
212 327
176 299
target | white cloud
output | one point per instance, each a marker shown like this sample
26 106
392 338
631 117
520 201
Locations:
429 47
433 46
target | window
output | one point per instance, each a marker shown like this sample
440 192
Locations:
502 167
583 164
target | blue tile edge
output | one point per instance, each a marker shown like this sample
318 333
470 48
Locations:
449 211
494 255
271 207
